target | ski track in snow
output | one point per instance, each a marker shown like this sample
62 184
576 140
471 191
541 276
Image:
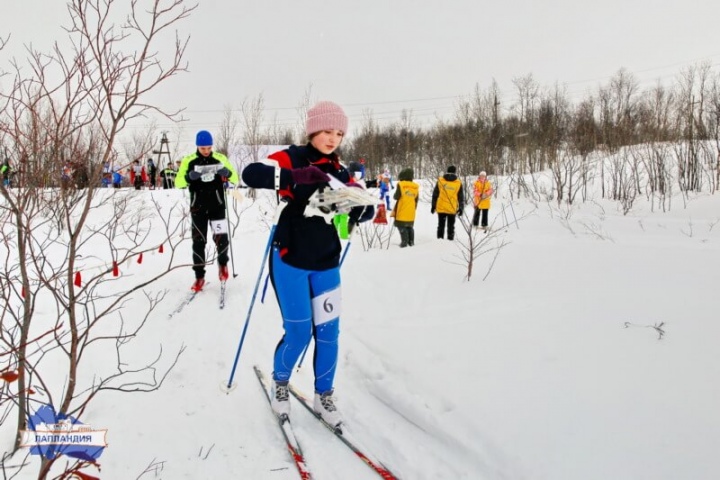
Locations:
447 443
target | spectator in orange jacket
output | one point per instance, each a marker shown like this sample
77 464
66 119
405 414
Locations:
406 202
482 192
447 200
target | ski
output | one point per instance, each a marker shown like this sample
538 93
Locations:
287 431
342 434
222 293
186 301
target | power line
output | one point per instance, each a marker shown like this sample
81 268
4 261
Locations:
443 106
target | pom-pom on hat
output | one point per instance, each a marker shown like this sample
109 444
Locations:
325 116
451 169
203 139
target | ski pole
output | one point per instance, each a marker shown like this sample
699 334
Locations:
349 243
227 215
278 211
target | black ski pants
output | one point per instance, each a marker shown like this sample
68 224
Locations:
407 233
200 217
444 218
476 217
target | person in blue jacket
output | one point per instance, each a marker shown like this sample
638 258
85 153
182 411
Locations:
386 186
305 257
117 178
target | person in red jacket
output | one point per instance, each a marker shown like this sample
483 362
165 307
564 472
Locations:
138 177
305 258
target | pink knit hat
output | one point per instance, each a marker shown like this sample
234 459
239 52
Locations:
325 116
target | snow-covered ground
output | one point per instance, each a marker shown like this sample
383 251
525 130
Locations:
550 368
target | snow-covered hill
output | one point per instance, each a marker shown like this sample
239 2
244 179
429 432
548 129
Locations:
551 368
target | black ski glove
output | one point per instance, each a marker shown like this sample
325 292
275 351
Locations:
360 214
193 175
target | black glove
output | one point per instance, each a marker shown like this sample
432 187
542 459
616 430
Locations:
193 175
361 213
224 172
432 211
309 175
460 211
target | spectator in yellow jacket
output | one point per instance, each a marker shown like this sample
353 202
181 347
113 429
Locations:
406 202
448 201
482 192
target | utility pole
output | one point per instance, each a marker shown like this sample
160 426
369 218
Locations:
163 150
166 170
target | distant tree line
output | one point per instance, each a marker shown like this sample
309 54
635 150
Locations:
543 129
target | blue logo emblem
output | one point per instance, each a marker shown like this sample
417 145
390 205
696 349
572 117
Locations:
52 434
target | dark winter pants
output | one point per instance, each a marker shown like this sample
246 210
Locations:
138 182
407 235
200 217
450 219
476 217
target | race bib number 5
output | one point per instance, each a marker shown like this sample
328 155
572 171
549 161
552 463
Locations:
219 227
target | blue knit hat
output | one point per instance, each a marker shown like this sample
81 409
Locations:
203 139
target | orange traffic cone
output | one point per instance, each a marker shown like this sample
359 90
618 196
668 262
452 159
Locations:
381 216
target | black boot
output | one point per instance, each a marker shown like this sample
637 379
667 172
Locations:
403 237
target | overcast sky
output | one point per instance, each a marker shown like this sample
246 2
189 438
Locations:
386 56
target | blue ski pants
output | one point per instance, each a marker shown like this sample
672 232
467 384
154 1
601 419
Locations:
310 303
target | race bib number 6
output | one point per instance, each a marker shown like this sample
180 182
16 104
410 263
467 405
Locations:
327 307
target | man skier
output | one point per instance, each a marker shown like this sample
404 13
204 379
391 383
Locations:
205 173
